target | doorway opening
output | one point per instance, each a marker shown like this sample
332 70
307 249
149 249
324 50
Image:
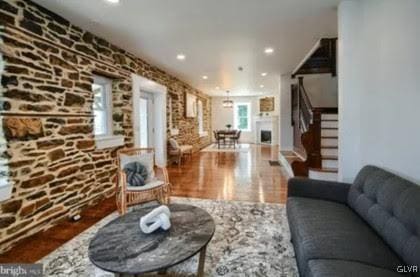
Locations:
147 126
149 116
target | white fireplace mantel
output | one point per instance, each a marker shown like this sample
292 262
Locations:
266 123
266 118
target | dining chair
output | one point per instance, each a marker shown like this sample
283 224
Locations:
237 136
218 137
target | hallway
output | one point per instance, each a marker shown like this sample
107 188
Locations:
243 176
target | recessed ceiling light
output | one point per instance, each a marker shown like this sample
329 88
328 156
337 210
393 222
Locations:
113 1
261 86
217 88
180 57
268 50
205 77
264 74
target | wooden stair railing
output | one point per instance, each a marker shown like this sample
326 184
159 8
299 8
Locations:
306 121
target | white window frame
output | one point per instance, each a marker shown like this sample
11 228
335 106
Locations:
6 185
173 130
107 139
200 117
236 117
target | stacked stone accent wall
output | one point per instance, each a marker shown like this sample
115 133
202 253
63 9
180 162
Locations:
47 142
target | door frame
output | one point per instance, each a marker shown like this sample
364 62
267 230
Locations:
150 100
140 83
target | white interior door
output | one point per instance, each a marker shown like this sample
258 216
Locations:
147 126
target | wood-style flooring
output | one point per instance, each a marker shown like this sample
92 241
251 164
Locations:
242 176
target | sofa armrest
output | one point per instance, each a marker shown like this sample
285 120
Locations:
325 190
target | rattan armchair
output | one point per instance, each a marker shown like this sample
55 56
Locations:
156 189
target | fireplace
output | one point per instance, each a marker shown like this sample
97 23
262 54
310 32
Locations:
265 136
266 130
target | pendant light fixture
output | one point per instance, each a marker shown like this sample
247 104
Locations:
227 103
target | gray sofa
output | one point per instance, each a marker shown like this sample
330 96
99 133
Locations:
369 228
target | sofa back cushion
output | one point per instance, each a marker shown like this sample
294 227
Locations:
391 206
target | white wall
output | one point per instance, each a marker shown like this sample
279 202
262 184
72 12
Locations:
286 130
322 90
379 86
222 116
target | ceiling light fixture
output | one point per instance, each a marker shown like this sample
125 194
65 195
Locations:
268 50
227 103
217 88
113 1
261 86
180 57
205 77
264 74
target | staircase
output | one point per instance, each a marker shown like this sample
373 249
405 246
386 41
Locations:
329 149
315 129
315 137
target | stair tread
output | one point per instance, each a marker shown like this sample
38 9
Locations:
329 147
325 169
329 119
329 157
330 137
329 128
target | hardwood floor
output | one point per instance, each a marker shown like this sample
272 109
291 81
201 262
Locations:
243 176
33 248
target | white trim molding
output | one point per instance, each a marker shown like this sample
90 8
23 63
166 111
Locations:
203 134
103 142
160 92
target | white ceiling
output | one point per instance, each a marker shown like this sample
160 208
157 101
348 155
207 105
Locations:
217 36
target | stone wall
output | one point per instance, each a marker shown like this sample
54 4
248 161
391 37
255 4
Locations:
46 112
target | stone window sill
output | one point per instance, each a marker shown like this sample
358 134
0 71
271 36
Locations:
174 132
5 192
104 142
203 134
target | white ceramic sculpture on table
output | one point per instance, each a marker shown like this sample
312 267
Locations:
157 218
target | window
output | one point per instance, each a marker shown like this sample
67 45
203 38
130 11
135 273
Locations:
102 106
241 117
200 117
170 119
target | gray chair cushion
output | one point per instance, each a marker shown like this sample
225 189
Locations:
136 174
391 205
337 268
330 230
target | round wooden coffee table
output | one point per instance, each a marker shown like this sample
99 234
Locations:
122 248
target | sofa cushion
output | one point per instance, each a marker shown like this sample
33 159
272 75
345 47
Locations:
340 268
391 205
330 230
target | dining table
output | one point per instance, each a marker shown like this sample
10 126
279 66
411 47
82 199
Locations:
227 135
